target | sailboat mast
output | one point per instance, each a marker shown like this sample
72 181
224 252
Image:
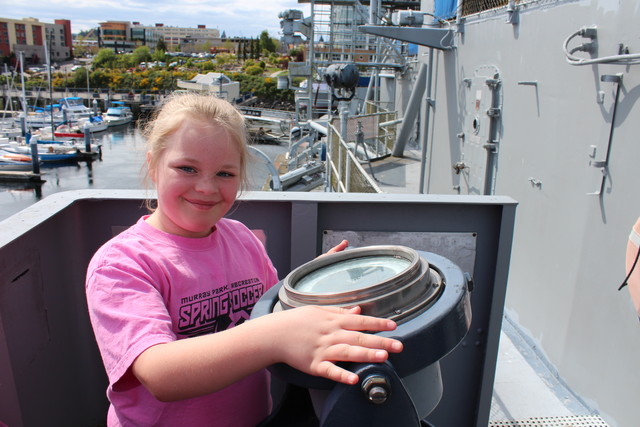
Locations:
24 95
47 43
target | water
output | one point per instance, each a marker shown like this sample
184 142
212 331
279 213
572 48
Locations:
123 155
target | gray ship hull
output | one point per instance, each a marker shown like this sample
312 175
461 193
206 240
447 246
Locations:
564 144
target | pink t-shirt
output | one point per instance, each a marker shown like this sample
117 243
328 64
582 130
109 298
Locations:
146 287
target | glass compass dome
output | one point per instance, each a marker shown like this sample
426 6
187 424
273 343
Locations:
393 282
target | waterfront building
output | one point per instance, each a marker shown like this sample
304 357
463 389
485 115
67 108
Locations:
29 35
116 35
174 36
144 35
124 36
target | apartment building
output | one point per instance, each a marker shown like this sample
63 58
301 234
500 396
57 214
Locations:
174 37
116 35
125 36
29 36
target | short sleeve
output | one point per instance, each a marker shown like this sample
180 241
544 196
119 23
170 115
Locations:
128 316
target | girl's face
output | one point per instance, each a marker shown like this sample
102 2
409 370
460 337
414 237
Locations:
197 178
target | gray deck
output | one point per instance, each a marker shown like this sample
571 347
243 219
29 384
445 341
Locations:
527 391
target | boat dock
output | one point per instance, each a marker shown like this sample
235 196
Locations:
20 176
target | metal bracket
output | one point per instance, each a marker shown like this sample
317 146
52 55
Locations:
459 167
493 83
437 38
535 182
494 112
513 14
491 146
598 163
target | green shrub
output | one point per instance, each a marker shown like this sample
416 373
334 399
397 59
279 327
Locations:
254 70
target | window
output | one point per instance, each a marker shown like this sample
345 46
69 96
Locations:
36 32
21 34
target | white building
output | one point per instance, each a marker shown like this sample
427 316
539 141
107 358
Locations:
173 36
214 83
125 36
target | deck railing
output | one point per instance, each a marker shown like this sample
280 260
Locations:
362 139
344 171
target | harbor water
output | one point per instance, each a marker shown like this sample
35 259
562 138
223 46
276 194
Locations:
121 167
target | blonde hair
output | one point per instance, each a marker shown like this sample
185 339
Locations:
207 108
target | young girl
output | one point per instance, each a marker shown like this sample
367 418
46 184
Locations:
163 295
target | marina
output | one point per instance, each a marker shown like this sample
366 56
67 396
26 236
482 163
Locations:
498 136
119 167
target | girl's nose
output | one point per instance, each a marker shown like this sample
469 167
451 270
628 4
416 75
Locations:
207 185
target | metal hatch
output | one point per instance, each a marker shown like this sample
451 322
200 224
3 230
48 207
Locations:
479 137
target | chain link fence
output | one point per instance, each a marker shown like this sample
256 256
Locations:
469 7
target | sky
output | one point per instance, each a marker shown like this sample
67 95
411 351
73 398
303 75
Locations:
241 18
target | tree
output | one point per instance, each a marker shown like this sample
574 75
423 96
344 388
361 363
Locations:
266 42
278 45
205 47
222 59
124 61
297 54
79 78
256 49
230 46
159 55
100 78
104 59
240 51
161 45
141 54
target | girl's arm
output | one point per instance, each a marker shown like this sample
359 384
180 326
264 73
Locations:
309 339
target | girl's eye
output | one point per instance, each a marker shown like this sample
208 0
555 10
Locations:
187 169
226 174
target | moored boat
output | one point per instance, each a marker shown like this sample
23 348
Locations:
61 145
41 117
94 124
14 162
74 108
47 152
118 114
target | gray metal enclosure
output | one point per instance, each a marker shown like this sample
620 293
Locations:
50 368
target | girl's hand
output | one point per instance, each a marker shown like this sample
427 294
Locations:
312 339
338 248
